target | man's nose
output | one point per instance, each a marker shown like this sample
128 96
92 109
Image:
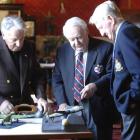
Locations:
76 41
17 43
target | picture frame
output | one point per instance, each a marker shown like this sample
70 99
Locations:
10 9
30 24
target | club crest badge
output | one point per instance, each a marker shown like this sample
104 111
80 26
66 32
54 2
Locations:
98 69
118 66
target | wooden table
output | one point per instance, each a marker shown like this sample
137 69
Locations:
31 130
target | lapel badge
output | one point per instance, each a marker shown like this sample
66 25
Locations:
98 69
118 66
8 81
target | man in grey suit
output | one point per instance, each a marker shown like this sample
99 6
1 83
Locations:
99 110
20 74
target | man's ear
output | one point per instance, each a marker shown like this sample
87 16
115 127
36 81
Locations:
2 35
111 19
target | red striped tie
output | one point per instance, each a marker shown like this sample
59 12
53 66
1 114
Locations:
79 77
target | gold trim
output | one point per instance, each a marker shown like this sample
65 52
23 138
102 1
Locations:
25 108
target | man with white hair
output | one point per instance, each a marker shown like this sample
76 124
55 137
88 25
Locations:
125 82
99 110
20 74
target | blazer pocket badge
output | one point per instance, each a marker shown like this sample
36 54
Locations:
118 66
98 69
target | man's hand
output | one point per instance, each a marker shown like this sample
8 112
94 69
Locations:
42 103
62 107
6 107
88 91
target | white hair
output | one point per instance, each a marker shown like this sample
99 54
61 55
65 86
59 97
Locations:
74 21
12 21
105 9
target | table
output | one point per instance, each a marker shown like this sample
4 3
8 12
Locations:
31 130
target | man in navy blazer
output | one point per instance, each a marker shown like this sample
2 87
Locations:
95 96
20 74
125 83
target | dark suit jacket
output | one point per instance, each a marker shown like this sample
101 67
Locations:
99 56
126 85
16 86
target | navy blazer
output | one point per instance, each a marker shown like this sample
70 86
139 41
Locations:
99 56
16 86
126 69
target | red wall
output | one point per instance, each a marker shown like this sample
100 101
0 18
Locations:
82 8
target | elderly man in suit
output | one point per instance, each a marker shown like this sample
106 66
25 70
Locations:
125 82
20 74
99 110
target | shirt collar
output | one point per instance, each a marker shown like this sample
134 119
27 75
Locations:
118 29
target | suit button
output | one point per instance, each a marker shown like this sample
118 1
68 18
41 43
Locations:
8 81
29 82
25 55
132 106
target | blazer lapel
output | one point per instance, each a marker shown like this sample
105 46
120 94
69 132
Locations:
23 69
71 64
69 67
91 57
9 63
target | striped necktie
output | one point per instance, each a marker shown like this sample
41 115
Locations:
79 77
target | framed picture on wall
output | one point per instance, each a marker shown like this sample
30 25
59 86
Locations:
10 9
30 23
30 28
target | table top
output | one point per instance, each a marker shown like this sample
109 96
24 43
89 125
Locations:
32 128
